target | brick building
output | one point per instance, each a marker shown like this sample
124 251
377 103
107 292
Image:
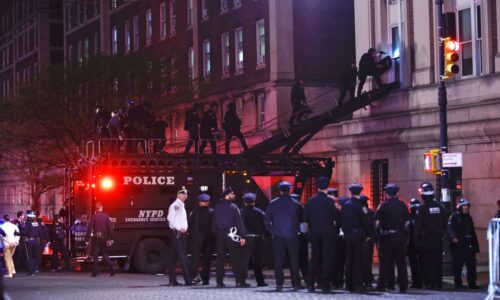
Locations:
31 36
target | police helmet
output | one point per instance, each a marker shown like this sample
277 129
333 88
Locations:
30 214
332 192
249 197
364 198
284 186
414 203
462 202
295 197
203 197
426 189
343 199
356 188
391 188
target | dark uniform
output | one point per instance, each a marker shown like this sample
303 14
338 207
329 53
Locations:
357 228
413 251
430 226
283 217
320 214
348 81
201 238
208 127
57 237
340 252
232 127
368 66
20 258
464 245
368 246
192 123
226 219
116 131
300 109
253 219
100 122
157 133
35 234
393 219
100 230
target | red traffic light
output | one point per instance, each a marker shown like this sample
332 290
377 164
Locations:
452 45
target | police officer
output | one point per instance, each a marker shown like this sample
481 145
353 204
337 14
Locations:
44 241
253 219
57 238
368 66
192 123
178 224
209 127
464 244
79 230
283 217
393 220
116 130
348 81
100 121
413 251
303 246
34 234
100 230
232 127
337 278
430 226
201 238
228 226
357 229
320 214
368 246
20 257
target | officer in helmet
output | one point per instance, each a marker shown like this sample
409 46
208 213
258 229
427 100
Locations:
357 228
393 220
464 244
430 226
34 234
413 251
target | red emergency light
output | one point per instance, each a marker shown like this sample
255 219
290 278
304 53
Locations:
107 184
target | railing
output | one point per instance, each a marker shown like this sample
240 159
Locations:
494 258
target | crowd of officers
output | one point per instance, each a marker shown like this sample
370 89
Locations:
128 129
328 242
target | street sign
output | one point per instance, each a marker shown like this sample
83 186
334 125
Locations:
452 160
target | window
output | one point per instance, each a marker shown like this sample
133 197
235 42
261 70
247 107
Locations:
465 38
261 106
479 38
225 54
206 59
173 73
223 6
261 44
79 49
127 37
469 33
86 49
237 4
380 177
149 27
163 20
190 13
190 64
238 45
204 10
136 32
396 25
114 3
114 40
97 42
173 18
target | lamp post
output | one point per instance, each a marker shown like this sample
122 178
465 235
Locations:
442 101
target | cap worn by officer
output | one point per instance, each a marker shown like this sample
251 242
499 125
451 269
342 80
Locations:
227 191
426 189
343 199
391 189
204 197
183 190
364 198
322 182
284 186
356 188
462 202
249 197
414 203
332 192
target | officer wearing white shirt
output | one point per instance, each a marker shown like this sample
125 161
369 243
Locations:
10 241
177 221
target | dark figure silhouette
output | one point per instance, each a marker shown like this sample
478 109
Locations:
299 105
348 81
232 127
368 66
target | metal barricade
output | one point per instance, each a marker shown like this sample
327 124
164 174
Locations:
494 258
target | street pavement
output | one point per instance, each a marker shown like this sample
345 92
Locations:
79 285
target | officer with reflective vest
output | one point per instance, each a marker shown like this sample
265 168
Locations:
430 227
283 217
464 244
201 239
34 233
413 251
253 219
356 226
393 220
228 226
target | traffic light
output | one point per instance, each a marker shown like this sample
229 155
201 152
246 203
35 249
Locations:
451 56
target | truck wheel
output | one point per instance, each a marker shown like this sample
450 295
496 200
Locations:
151 256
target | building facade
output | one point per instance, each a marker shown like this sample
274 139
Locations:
31 37
386 143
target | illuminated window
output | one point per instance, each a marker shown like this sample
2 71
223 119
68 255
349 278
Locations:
149 27
190 64
261 43
135 40
114 40
163 20
206 59
128 40
225 54
238 45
